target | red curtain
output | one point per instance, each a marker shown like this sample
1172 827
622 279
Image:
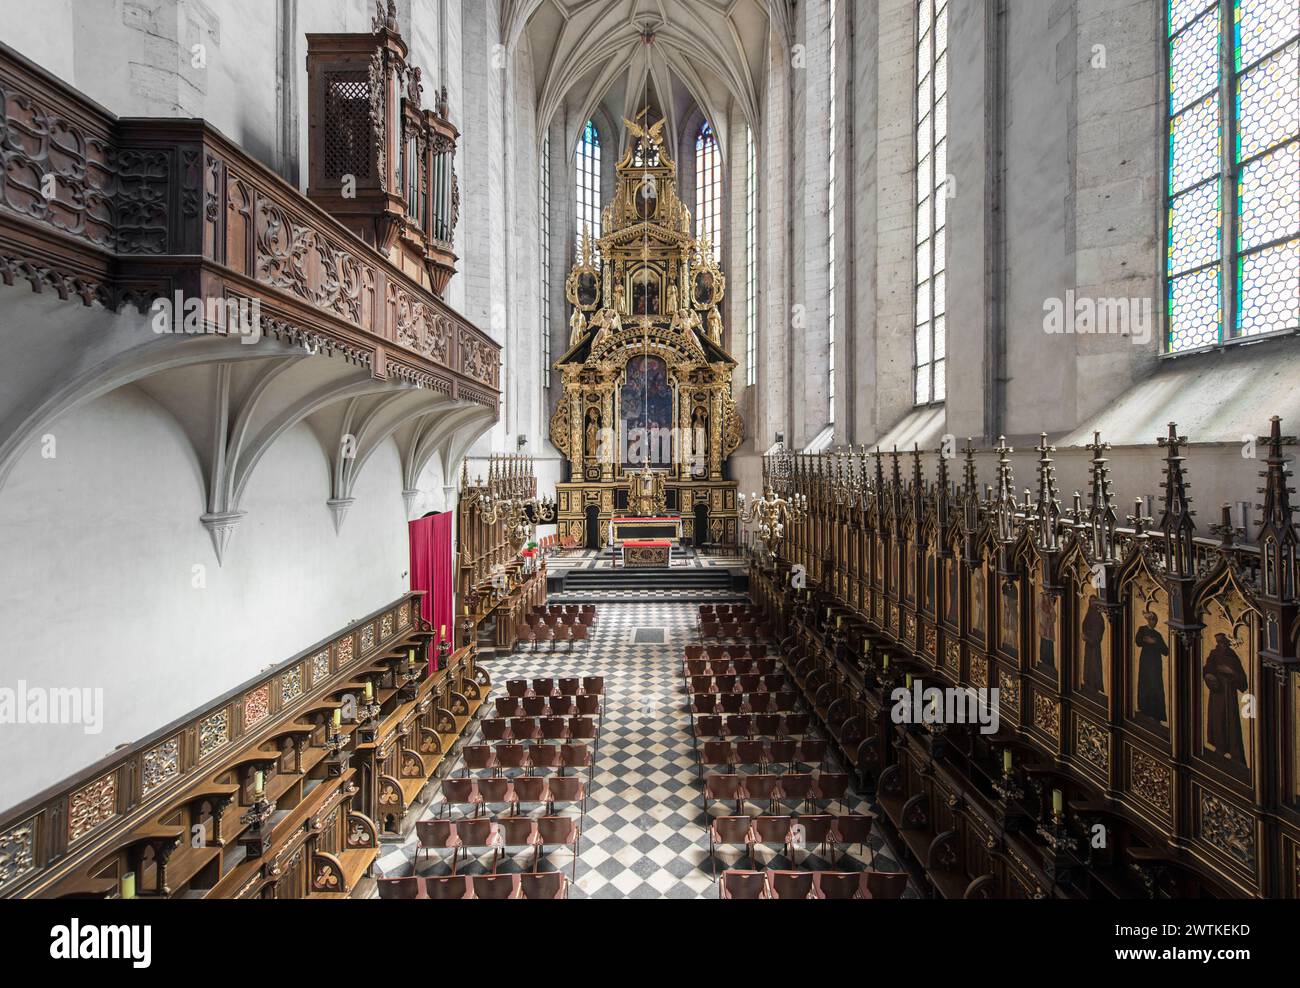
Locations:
431 572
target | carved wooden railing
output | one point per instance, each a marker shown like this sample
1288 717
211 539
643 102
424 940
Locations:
965 590
115 211
45 840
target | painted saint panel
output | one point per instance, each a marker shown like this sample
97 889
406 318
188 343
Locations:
1149 655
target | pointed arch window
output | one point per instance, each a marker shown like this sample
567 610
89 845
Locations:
588 191
708 188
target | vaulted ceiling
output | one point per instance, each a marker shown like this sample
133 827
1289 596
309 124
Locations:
705 54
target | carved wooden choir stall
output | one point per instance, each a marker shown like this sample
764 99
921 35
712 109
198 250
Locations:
1146 677
499 577
280 789
647 380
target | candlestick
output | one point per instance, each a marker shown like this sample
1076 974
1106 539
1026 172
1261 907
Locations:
370 690
1006 761
127 885
259 782
410 657
338 718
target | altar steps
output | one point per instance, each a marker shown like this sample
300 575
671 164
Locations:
594 580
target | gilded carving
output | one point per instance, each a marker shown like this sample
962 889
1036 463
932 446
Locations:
214 731
257 704
161 764
1149 779
291 684
1047 714
17 852
320 665
1228 829
91 806
1092 744
1008 689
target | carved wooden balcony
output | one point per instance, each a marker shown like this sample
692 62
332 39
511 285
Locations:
114 211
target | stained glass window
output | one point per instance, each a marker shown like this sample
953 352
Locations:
708 188
931 200
544 257
1232 244
588 162
751 259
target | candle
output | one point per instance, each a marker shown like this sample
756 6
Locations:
259 782
1006 761
127 885
839 620
866 646
1058 802
909 680
884 662
410 657
442 632
370 690
338 718
467 610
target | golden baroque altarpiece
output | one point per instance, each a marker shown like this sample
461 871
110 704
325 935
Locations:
646 416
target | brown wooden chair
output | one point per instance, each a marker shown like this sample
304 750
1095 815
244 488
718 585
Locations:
495 728
559 831
751 751
518 831
458 791
770 831
479 757
576 756
401 888
791 884
553 728
883 885
544 885
796 725
739 725
812 751
564 706
496 887
768 725
780 751
567 789
449 887
708 726
582 729
536 706
474 834
437 835
853 828
544 685
729 830
796 788
495 790
742 885
762 789
544 756
531 789
523 729
837 884
724 788
508 706
832 786
517 687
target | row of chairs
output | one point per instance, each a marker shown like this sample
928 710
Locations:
555 686
749 725
553 728
744 682
791 833
501 790
711 611
539 885
500 834
773 884
584 704
795 788
589 609
739 666
526 757
739 629
717 652
761 702
757 751
570 636
554 618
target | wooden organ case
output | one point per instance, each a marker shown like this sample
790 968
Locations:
647 383
1145 674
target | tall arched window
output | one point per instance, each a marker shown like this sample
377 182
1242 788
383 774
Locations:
931 199
708 188
588 162
1232 265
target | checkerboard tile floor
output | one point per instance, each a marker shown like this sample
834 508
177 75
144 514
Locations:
645 834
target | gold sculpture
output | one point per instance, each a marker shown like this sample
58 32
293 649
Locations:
647 381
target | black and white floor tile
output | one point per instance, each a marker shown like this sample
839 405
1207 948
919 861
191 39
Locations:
645 832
